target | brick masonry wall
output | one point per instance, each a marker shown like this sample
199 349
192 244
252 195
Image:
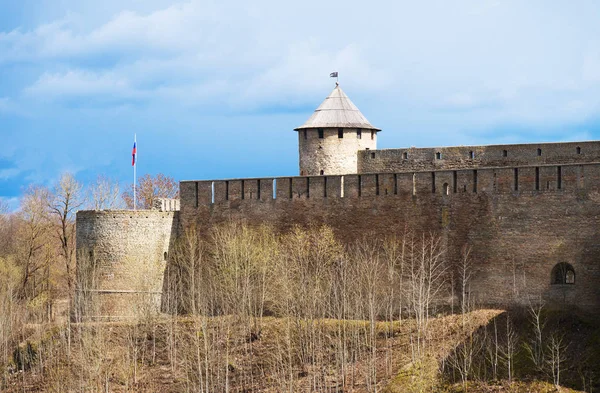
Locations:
520 223
463 157
121 258
331 154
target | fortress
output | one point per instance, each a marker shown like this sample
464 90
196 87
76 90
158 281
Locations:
530 212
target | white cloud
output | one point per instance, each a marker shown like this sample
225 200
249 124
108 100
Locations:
491 61
6 174
79 83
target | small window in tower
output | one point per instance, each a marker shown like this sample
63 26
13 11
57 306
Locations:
471 155
165 255
305 136
438 156
322 172
578 150
539 152
372 155
340 132
372 135
358 133
504 153
405 155
446 189
320 133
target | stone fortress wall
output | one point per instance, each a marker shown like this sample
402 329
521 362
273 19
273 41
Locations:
520 221
457 157
524 209
121 259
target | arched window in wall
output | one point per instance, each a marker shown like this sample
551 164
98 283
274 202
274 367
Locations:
563 273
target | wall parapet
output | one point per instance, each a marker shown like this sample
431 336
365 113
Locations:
477 157
496 180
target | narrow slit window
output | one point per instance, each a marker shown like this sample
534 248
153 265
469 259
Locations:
243 191
559 178
376 184
308 187
414 184
340 133
454 182
516 179
578 150
258 189
321 172
226 190
504 153
539 152
358 133
359 185
372 135
405 155
438 156
372 155
395 184
291 190
471 155
325 187
274 188
212 193
320 131
433 182
446 189
305 134
196 195
537 178
475 180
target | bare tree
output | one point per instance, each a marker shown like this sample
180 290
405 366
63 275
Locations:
508 348
150 187
535 345
63 203
427 280
557 349
33 236
104 194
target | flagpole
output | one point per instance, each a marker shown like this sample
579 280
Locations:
134 173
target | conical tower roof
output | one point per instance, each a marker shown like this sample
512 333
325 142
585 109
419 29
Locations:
337 111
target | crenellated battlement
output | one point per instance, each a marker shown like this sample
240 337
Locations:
501 180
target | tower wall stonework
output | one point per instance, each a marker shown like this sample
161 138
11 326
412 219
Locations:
121 258
519 224
331 154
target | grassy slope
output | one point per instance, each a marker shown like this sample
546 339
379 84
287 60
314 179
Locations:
134 357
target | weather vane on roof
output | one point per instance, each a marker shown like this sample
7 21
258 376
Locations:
335 75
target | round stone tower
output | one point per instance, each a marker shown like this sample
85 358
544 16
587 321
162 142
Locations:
332 136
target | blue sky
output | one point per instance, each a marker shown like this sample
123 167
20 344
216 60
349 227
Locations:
214 88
